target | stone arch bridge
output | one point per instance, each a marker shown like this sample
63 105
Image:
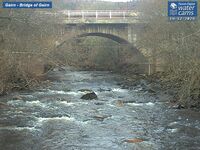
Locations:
119 27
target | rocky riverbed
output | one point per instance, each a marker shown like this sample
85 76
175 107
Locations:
113 115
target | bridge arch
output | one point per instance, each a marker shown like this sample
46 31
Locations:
140 59
117 39
106 35
113 37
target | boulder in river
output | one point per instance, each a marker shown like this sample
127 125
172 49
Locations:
119 103
178 106
89 96
3 106
17 97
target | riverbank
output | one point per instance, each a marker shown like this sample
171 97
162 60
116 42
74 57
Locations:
161 83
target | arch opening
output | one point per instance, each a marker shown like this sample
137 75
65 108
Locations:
105 35
118 40
134 56
115 38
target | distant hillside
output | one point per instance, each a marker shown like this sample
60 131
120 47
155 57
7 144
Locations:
91 5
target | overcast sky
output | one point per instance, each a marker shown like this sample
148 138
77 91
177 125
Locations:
116 0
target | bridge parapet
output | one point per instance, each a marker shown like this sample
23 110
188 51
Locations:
101 16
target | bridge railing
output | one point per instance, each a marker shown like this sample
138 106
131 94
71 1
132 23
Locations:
94 16
99 14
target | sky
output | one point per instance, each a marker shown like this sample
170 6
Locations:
116 0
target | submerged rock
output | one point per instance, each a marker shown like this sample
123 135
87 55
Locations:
99 103
89 96
104 90
101 117
178 106
151 90
85 90
135 140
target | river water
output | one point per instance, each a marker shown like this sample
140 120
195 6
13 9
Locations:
55 118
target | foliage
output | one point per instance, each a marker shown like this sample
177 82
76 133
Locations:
26 41
92 5
176 47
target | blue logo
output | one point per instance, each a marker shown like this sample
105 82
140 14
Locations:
173 6
42 4
182 10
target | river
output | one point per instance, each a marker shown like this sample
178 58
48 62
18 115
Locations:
56 118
